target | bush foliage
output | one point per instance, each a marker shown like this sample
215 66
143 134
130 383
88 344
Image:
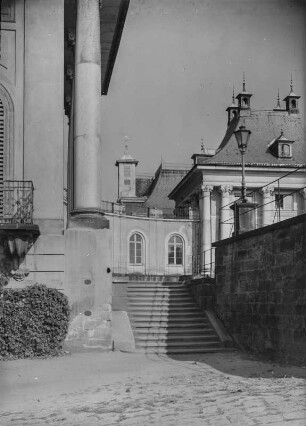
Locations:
33 321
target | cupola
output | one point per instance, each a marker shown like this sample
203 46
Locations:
126 174
232 110
244 97
292 101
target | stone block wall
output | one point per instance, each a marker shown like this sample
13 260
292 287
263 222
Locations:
261 289
203 290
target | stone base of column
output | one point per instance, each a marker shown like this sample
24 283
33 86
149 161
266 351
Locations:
88 285
92 218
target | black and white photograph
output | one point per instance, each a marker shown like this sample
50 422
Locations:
152 212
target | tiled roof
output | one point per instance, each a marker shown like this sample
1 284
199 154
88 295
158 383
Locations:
265 126
161 187
142 185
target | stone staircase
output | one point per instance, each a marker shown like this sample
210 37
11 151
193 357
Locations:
166 319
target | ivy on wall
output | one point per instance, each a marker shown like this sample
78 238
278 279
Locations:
33 321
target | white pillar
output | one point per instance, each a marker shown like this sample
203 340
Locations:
87 144
205 218
303 194
267 206
225 216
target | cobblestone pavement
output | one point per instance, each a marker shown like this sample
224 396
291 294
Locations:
215 389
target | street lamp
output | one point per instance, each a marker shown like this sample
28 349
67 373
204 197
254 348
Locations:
242 137
244 216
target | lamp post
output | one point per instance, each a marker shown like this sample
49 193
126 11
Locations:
242 137
242 207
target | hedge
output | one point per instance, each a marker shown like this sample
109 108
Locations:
33 322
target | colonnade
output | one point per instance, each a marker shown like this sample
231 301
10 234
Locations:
226 217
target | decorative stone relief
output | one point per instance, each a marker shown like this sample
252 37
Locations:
267 191
225 189
206 188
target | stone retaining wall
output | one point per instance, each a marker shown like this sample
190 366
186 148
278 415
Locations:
261 288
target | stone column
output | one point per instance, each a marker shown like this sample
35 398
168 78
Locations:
88 240
267 206
205 218
303 194
87 144
225 216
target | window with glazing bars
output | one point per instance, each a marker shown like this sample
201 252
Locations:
175 250
136 249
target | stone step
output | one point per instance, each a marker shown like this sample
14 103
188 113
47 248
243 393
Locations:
167 315
162 292
187 331
194 338
162 306
178 322
164 309
160 302
159 289
155 284
184 351
179 344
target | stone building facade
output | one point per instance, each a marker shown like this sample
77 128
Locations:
56 60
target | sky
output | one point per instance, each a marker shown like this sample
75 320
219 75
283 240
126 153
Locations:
177 64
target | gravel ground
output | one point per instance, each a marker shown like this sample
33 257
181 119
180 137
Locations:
137 389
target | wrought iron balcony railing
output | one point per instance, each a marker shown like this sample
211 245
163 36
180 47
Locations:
16 202
143 211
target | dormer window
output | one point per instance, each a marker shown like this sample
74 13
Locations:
285 150
281 147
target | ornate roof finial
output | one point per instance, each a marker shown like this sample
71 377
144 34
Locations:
278 105
243 82
202 146
126 144
233 97
282 130
291 84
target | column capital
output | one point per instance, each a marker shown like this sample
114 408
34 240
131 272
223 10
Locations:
206 188
303 193
225 189
267 190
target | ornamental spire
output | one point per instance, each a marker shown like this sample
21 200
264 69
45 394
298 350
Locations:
291 85
278 105
243 82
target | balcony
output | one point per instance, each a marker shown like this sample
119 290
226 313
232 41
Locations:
16 202
17 231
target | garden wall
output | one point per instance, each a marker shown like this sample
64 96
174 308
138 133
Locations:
261 288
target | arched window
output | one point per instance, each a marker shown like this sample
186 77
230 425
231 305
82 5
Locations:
175 250
136 249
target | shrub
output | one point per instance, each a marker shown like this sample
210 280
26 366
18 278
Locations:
33 321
